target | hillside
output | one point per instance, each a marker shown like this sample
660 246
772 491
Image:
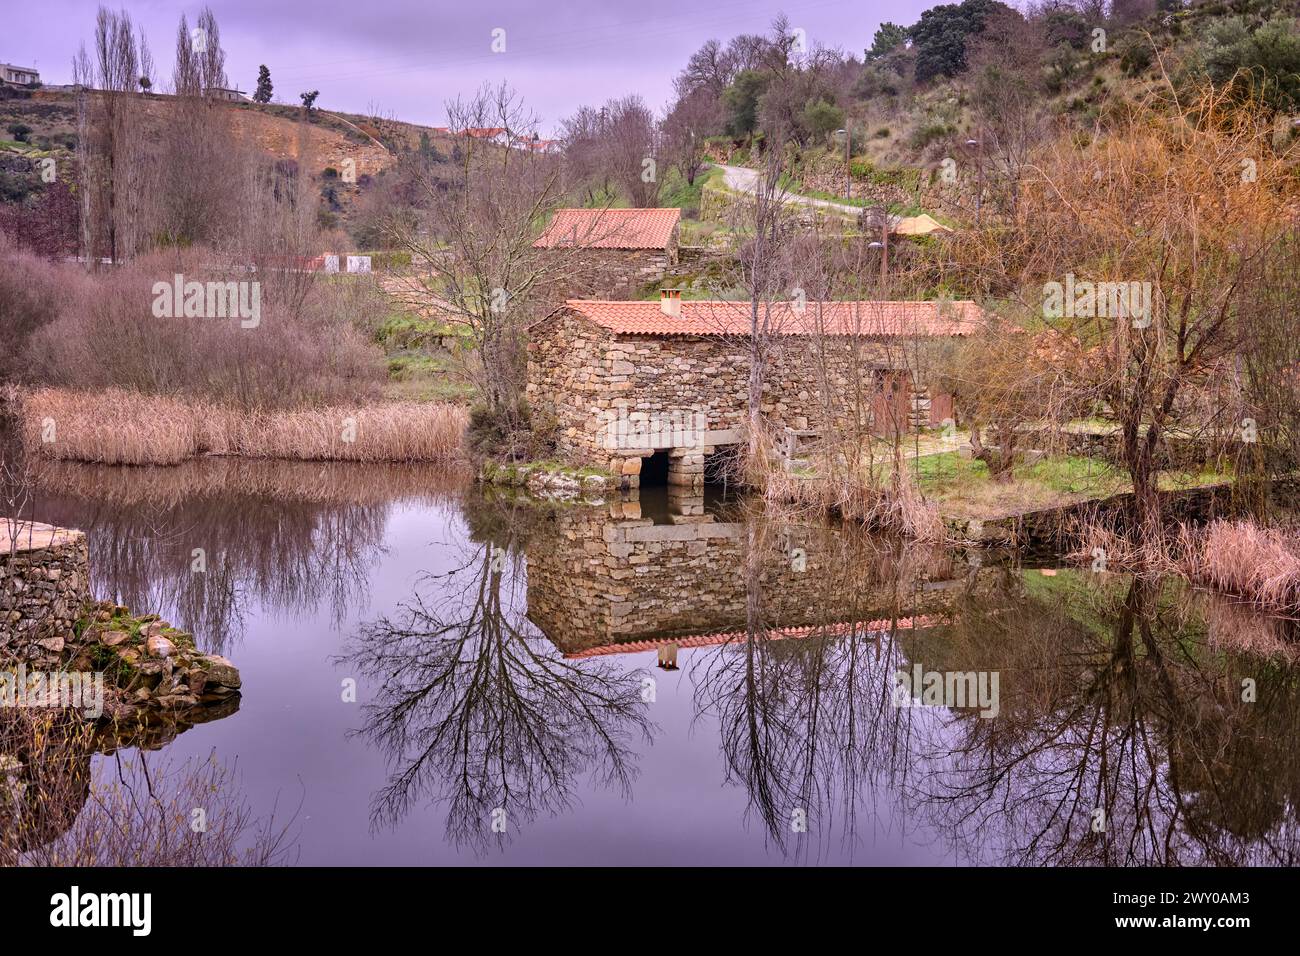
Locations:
322 142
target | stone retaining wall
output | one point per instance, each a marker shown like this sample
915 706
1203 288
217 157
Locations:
44 586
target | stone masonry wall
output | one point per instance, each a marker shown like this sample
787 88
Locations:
586 377
44 586
614 273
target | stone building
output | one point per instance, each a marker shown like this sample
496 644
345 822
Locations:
620 250
629 382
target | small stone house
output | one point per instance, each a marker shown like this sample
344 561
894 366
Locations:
617 250
630 381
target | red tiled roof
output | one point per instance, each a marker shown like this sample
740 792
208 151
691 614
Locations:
610 228
883 626
863 318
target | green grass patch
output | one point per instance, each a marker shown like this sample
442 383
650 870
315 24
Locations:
966 485
426 378
405 330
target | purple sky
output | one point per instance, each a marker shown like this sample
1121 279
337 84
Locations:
406 57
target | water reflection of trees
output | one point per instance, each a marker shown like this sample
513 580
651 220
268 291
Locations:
57 808
1116 708
476 710
294 536
807 725
1114 695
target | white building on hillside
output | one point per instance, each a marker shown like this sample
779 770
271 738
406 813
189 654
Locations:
19 75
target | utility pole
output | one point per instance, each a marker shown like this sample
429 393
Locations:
977 145
883 245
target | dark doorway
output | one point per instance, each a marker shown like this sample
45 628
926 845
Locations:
654 470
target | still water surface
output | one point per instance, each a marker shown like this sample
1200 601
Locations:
505 659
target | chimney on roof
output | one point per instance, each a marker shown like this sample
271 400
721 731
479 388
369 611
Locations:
670 302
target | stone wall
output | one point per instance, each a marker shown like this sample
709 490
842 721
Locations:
587 377
613 273
44 586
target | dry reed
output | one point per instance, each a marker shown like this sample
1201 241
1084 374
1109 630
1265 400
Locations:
880 501
1260 565
117 427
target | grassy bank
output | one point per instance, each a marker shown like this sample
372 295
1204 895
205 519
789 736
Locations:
961 485
127 428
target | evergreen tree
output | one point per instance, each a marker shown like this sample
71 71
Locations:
263 92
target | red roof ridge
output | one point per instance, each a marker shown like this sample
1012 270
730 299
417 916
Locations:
891 318
628 228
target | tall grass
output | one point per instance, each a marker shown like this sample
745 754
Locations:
117 427
1260 565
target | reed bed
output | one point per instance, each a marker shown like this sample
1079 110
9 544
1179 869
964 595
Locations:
1257 564
116 427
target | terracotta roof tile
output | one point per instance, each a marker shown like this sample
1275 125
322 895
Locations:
610 228
862 318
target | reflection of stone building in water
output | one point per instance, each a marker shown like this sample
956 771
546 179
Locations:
612 579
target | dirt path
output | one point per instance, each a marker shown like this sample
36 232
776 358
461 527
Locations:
744 180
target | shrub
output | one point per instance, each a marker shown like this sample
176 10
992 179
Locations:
1135 55
310 348
33 292
510 433
928 133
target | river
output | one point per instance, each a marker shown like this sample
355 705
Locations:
434 673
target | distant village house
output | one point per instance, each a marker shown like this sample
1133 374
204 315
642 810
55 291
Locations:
222 93
621 250
19 75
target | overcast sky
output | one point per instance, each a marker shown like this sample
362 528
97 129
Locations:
407 57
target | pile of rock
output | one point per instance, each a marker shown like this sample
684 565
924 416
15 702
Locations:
149 667
548 481
48 623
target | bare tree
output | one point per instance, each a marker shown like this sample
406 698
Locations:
198 209
478 711
475 227
632 148
112 162
694 117
763 224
